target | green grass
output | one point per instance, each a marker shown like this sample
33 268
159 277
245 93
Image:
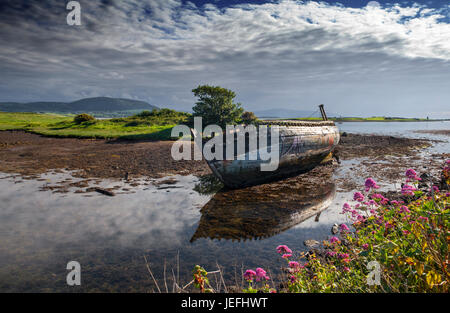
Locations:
150 125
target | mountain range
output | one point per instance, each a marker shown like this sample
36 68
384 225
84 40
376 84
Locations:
97 104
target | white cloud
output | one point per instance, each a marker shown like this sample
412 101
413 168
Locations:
282 50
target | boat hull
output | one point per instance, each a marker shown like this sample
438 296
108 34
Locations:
302 146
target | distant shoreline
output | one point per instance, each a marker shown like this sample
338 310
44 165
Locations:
360 119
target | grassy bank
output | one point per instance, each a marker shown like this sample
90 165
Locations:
155 125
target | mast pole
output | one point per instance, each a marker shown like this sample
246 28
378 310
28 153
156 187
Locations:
322 112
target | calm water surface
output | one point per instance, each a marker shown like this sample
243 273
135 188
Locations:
41 231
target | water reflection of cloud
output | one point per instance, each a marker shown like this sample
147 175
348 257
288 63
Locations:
151 218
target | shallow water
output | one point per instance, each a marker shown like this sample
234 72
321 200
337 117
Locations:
41 231
403 129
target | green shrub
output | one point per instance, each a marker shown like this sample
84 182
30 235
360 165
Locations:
81 118
216 106
147 113
248 117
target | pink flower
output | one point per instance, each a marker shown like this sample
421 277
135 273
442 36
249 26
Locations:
405 232
408 190
344 227
346 208
293 264
293 279
331 253
261 274
365 246
370 183
358 197
334 239
286 256
283 249
380 197
412 175
346 269
435 189
249 275
343 255
404 209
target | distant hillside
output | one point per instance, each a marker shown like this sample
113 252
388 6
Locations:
290 113
93 105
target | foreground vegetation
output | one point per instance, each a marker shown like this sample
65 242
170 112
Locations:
156 125
393 246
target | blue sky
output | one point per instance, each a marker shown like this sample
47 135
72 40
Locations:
358 58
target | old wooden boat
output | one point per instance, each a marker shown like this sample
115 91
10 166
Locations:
302 146
262 211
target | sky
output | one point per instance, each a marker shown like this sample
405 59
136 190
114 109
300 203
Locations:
359 58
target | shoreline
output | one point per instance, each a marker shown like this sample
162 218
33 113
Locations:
134 162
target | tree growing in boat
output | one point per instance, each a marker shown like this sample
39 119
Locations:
216 106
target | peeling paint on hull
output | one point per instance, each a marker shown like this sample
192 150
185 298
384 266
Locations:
302 147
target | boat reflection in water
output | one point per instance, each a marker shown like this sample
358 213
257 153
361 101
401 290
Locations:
261 211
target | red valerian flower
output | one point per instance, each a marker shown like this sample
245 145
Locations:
249 275
370 183
283 249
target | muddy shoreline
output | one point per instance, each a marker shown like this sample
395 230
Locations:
30 155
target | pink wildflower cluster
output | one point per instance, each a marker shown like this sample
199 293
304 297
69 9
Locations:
408 190
383 200
346 208
397 203
249 275
294 264
258 275
447 167
284 249
334 239
411 175
404 209
354 215
358 197
370 184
